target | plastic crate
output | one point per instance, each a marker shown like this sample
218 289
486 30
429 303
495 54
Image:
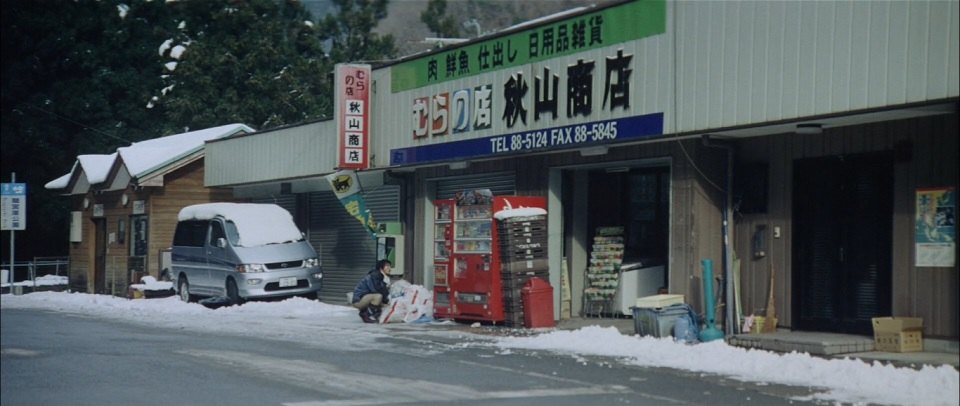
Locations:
658 301
657 322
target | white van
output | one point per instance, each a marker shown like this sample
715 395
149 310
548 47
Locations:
242 251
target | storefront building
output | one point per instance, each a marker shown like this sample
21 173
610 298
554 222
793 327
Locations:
808 142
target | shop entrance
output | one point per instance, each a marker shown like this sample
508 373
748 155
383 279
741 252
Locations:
842 216
618 242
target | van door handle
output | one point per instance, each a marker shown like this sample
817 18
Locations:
841 254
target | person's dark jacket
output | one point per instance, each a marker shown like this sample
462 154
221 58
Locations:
372 283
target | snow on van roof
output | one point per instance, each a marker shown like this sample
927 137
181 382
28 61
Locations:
258 224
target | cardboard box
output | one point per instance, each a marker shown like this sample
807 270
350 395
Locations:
759 322
898 334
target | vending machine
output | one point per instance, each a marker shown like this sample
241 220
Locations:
467 254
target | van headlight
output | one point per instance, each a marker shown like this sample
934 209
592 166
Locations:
251 268
311 262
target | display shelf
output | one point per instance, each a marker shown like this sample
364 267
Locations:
603 271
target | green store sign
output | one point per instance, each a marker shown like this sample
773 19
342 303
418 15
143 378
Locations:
621 23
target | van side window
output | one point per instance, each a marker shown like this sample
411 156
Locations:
216 231
232 234
190 233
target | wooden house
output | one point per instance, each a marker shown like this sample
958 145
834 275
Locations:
124 206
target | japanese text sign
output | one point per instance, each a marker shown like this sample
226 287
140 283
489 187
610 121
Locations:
352 89
14 206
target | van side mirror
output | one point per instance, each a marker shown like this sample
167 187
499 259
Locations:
221 242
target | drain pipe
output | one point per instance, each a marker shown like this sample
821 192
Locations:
728 321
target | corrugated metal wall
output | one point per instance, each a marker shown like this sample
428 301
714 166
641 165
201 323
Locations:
285 153
752 62
726 63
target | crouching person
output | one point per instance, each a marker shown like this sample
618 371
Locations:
371 292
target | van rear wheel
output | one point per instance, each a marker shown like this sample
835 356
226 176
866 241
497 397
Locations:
233 293
184 288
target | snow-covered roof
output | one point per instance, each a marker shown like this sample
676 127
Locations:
59 183
145 157
96 167
258 224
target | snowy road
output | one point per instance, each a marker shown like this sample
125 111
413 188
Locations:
310 353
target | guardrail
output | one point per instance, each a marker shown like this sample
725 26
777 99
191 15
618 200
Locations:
21 271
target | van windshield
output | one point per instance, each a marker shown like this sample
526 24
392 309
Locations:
232 234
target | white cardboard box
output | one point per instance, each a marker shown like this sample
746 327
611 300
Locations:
658 301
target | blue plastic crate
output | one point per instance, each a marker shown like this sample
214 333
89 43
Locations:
657 322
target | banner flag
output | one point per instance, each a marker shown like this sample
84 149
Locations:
346 186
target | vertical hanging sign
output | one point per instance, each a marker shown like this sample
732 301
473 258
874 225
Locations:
352 89
346 185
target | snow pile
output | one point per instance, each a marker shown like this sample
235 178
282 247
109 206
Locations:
45 280
152 284
521 212
845 380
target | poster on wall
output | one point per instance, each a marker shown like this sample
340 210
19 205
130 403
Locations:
936 231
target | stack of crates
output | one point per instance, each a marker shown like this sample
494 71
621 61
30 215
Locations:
523 255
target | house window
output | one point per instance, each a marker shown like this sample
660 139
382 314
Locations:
138 236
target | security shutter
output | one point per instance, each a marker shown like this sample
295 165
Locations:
288 202
346 249
501 184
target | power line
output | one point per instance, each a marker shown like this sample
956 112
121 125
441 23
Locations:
68 119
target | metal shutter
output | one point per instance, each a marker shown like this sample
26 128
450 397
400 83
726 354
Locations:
501 184
346 248
288 202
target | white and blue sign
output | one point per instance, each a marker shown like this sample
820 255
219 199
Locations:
14 206
565 137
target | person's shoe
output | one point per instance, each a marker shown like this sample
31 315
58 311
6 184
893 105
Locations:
365 316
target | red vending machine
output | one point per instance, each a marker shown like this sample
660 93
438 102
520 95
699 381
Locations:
467 256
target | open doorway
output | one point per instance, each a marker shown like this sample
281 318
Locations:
616 236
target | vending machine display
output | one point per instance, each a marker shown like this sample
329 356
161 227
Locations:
468 266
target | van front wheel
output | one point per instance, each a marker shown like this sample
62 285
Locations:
233 293
184 289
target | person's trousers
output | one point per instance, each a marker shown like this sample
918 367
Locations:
375 299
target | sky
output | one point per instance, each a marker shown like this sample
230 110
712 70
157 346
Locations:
842 380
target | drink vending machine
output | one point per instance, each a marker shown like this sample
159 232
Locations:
469 260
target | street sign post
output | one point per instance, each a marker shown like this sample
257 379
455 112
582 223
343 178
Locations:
13 212
14 206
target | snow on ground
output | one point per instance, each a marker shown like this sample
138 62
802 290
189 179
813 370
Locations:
45 280
338 327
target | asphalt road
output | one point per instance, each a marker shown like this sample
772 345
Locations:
53 358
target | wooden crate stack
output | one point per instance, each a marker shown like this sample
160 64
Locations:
523 255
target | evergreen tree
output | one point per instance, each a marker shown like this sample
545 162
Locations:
252 61
437 20
71 84
349 34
